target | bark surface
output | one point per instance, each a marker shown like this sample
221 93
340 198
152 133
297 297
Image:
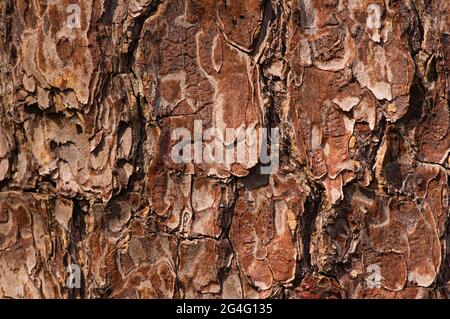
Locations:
358 89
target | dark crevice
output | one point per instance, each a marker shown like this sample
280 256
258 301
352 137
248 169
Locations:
136 31
306 228
77 233
416 102
267 19
109 9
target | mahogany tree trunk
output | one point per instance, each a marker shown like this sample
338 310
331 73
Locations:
91 93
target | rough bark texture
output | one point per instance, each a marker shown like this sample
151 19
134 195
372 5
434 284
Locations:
86 177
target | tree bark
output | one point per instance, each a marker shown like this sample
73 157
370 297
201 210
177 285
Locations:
92 91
